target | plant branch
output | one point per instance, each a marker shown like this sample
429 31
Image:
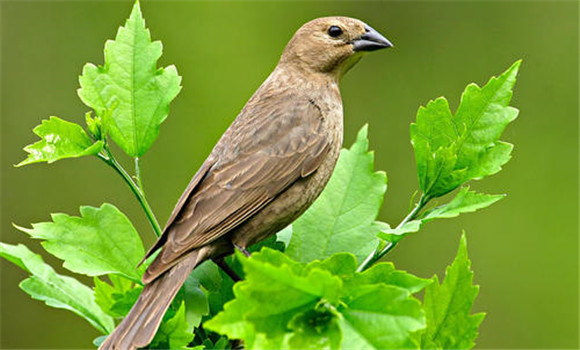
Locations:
135 188
378 254
138 174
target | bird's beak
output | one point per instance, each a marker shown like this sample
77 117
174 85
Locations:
370 41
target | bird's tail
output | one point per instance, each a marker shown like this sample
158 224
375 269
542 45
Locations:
140 325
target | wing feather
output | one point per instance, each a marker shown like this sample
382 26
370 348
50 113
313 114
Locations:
259 157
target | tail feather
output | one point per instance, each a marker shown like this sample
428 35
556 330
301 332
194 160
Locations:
140 325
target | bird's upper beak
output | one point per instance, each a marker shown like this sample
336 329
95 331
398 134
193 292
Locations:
371 40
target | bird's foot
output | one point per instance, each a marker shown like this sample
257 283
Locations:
242 249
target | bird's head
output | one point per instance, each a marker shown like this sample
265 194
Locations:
331 45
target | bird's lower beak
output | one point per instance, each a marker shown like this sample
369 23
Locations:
371 41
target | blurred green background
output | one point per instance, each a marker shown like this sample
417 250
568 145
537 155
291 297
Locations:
524 249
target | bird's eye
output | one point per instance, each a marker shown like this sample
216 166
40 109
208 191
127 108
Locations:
334 31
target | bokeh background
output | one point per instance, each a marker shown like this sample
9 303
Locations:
524 249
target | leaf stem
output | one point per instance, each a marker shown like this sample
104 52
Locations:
135 188
138 174
378 254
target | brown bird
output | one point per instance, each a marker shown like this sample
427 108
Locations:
266 170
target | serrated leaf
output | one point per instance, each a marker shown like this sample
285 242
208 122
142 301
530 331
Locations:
381 317
342 265
315 329
450 324
173 333
270 297
286 304
55 290
482 116
385 273
433 137
60 139
342 218
102 241
465 201
130 87
118 298
231 320
452 149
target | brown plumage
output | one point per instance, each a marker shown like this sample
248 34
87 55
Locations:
266 170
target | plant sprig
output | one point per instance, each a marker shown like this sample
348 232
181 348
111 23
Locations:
320 283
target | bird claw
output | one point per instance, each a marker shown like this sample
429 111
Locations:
243 250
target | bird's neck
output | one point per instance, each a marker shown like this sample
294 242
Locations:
297 78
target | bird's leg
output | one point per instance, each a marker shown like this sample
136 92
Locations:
227 269
243 250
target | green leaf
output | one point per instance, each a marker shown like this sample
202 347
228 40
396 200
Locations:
286 304
101 241
231 320
386 273
222 343
118 298
269 299
173 333
218 288
450 324
452 149
130 87
342 219
99 340
60 139
284 235
95 126
342 265
433 137
397 233
381 317
56 290
465 201
196 302
208 275
315 329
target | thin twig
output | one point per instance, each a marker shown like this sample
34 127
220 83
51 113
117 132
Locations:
108 158
377 255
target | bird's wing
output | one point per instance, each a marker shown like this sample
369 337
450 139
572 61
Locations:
203 170
262 154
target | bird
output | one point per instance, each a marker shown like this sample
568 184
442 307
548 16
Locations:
268 167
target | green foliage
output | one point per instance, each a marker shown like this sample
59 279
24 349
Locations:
195 301
342 219
285 304
452 149
60 139
129 85
174 332
465 201
102 241
381 317
318 284
450 324
116 299
55 290
385 272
